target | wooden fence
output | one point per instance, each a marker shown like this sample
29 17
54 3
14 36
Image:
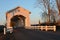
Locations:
44 28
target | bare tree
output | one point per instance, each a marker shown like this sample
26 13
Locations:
53 15
45 17
58 5
42 2
46 4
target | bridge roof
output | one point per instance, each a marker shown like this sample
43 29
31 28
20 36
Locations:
17 8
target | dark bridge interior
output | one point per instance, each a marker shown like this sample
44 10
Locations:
17 21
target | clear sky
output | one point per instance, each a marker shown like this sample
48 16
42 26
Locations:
6 5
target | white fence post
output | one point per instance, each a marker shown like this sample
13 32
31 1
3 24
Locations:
41 27
4 31
54 28
46 28
11 29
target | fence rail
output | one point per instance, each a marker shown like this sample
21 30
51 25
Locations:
44 28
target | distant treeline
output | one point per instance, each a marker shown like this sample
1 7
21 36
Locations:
43 24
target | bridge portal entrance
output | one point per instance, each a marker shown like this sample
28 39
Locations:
17 21
18 17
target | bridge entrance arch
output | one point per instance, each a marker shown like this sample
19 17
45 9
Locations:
17 21
18 17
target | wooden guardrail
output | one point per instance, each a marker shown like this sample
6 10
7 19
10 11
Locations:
10 29
44 27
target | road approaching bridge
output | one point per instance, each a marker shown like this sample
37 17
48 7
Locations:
26 34
30 34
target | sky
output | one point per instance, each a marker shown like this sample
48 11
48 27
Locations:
6 5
